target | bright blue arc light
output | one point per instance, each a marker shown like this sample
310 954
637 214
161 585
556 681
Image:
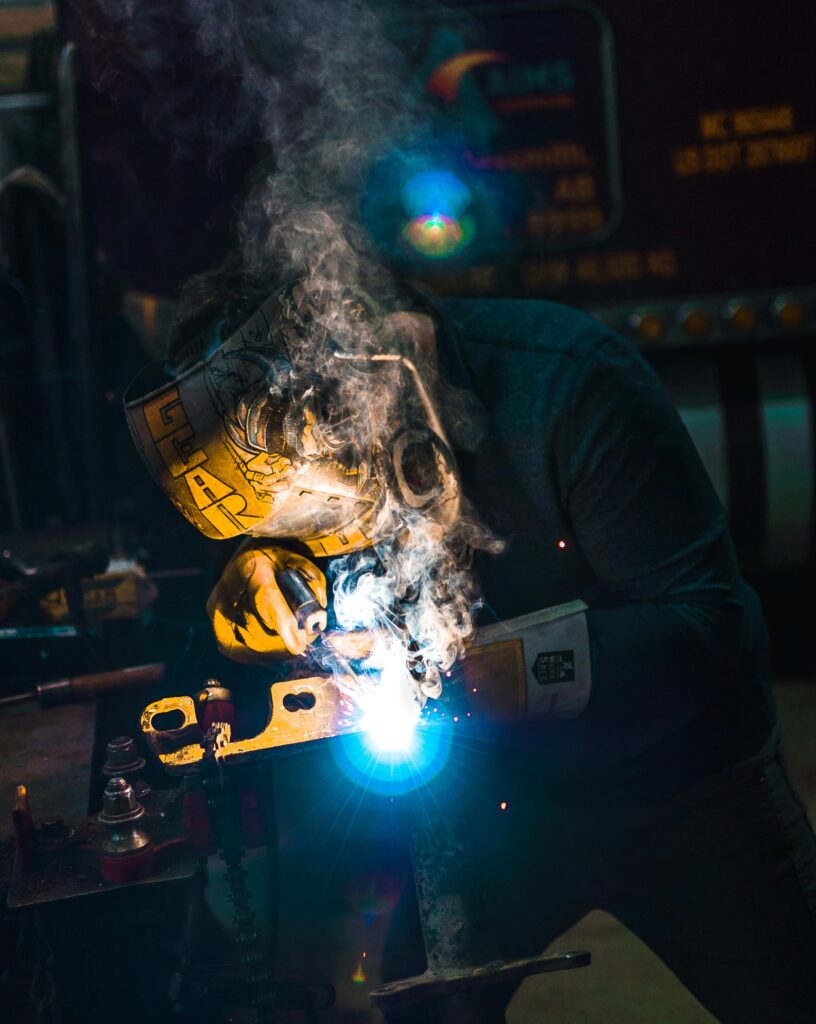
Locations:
394 772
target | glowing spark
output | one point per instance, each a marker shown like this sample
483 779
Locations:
562 544
503 805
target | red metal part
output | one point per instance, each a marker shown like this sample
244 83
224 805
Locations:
130 867
252 821
213 711
196 822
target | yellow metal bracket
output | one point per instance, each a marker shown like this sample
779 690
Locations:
301 711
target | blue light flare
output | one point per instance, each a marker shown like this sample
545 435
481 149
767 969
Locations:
435 193
435 202
394 772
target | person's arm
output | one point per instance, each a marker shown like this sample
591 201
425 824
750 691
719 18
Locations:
647 520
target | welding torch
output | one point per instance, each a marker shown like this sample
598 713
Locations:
311 617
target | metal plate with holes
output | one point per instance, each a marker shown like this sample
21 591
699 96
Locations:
301 711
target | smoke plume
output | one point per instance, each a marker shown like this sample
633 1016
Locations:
327 94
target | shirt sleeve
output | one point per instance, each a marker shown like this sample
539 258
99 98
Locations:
669 635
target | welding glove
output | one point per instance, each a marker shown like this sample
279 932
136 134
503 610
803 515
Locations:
250 617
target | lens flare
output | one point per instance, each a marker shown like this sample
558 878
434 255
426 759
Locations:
435 190
397 748
396 772
436 202
437 236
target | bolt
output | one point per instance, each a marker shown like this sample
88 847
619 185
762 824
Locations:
123 760
123 757
119 803
120 812
53 830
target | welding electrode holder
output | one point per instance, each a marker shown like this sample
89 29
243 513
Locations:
309 614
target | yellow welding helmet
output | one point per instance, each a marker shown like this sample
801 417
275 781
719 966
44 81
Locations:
240 447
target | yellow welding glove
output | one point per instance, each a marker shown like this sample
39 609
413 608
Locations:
250 617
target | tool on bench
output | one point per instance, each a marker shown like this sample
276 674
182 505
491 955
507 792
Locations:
64 572
85 687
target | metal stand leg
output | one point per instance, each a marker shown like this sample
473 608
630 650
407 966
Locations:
466 981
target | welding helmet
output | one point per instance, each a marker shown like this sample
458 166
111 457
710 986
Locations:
243 442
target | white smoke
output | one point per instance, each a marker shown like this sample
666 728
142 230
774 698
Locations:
327 92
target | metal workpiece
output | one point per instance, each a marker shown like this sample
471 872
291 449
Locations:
466 981
301 711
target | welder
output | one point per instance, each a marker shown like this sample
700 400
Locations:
656 789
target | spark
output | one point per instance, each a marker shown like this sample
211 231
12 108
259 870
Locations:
503 805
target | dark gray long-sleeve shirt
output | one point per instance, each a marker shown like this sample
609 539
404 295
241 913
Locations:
585 447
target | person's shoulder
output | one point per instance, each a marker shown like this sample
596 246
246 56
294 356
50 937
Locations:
532 325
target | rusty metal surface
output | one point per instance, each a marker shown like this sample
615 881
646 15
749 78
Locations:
50 752
72 869
466 977
332 713
457 933
433 985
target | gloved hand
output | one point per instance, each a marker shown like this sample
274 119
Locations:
250 617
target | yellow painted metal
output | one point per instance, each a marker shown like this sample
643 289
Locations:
301 711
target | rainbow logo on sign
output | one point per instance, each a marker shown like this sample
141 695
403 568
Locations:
445 80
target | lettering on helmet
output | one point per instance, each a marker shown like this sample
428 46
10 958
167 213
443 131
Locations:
225 515
165 414
174 438
170 429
